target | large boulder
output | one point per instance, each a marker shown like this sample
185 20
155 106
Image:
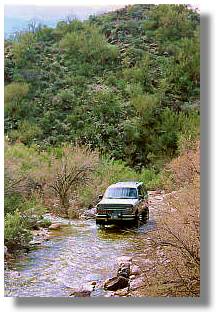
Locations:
116 283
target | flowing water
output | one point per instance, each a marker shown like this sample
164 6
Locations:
76 255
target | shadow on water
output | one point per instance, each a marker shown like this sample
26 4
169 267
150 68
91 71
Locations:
122 231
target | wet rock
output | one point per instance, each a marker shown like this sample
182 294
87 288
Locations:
35 242
39 236
124 270
135 270
132 277
80 293
108 295
44 223
155 192
122 292
93 283
136 283
146 262
116 283
55 226
89 213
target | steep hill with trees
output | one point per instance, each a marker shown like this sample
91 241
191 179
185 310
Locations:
126 83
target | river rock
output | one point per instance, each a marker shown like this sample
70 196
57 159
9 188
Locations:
136 283
122 292
135 270
93 283
80 293
35 242
116 283
89 213
124 270
110 294
55 226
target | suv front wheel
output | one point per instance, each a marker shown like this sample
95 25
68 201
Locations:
144 216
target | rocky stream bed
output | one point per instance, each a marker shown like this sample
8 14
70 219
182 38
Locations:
75 258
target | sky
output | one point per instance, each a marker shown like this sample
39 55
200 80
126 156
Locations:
17 17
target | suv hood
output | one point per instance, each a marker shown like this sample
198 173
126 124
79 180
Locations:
119 201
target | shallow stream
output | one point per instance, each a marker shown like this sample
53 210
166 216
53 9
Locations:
76 255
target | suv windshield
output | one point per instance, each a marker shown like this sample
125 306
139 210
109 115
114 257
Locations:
121 193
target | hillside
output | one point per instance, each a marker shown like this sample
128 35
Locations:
125 82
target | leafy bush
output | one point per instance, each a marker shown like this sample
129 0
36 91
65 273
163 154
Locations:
151 179
171 22
24 49
89 45
27 133
120 87
13 202
16 234
44 222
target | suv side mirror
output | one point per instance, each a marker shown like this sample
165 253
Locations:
100 197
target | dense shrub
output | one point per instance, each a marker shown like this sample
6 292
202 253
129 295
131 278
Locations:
13 202
27 132
24 49
16 234
89 45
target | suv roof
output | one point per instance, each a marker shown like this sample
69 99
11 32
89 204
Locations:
131 184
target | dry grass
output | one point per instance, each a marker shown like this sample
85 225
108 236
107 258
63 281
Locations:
64 178
52 178
174 248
